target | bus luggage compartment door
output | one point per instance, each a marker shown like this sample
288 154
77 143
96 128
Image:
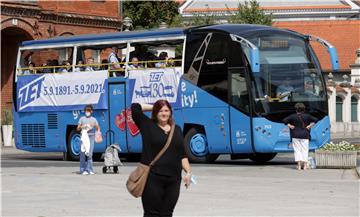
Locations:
240 132
117 122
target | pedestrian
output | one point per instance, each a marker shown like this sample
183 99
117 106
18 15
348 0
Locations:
300 124
162 188
87 125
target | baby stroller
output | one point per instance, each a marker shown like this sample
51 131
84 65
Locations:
111 158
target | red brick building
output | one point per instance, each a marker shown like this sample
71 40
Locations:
28 20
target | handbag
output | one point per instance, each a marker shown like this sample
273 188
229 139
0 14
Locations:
98 137
137 179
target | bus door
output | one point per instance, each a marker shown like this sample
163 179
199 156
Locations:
117 124
239 110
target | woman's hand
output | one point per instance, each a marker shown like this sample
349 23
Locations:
309 126
146 107
187 179
186 166
291 126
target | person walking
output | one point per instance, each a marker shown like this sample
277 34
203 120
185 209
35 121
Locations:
87 124
162 188
300 124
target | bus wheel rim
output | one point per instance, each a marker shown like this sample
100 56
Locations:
76 144
198 145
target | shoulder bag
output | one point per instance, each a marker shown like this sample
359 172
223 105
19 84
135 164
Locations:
137 179
304 126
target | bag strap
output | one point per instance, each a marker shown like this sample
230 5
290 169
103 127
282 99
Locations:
303 124
165 147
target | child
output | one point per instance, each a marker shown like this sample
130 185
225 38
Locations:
86 125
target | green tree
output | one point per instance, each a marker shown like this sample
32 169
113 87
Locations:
149 14
251 13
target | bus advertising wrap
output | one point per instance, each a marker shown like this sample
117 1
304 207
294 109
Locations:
62 92
150 85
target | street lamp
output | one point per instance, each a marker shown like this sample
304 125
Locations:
163 25
127 23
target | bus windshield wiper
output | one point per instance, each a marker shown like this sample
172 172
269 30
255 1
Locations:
277 112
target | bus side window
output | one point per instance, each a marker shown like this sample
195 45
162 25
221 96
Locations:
213 76
239 96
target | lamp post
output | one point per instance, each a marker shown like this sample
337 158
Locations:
127 23
163 25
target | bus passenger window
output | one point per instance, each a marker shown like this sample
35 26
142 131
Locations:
155 54
109 57
45 60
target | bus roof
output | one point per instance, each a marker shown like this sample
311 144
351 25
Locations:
113 36
237 29
243 30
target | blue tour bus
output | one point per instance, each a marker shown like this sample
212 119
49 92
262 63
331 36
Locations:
222 81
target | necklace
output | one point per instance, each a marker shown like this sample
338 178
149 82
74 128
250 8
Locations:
165 128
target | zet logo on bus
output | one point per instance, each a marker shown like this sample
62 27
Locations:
30 92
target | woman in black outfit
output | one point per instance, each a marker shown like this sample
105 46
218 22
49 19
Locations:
300 125
163 184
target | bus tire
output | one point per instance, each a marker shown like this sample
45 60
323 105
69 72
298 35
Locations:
262 157
74 145
196 147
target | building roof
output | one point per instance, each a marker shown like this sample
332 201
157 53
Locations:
200 5
278 8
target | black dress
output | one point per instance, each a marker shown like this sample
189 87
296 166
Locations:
163 185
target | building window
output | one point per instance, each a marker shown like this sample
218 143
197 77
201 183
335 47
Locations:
354 109
339 104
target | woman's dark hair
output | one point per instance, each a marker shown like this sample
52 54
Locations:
299 107
88 107
158 106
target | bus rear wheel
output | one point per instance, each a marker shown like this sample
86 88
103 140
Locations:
73 146
196 147
262 157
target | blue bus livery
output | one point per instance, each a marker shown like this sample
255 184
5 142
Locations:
222 81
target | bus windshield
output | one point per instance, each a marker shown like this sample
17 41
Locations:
289 73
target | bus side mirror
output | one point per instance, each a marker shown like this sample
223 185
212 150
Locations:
331 50
254 56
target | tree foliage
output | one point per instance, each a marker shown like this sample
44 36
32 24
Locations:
251 13
149 14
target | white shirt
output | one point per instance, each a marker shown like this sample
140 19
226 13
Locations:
112 60
284 90
89 68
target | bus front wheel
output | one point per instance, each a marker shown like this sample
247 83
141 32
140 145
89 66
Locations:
73 145
262 157
196 147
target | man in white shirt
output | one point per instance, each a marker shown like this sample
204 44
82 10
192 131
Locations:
284 90
114 61
90 64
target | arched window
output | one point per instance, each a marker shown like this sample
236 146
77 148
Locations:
339 105
354 109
